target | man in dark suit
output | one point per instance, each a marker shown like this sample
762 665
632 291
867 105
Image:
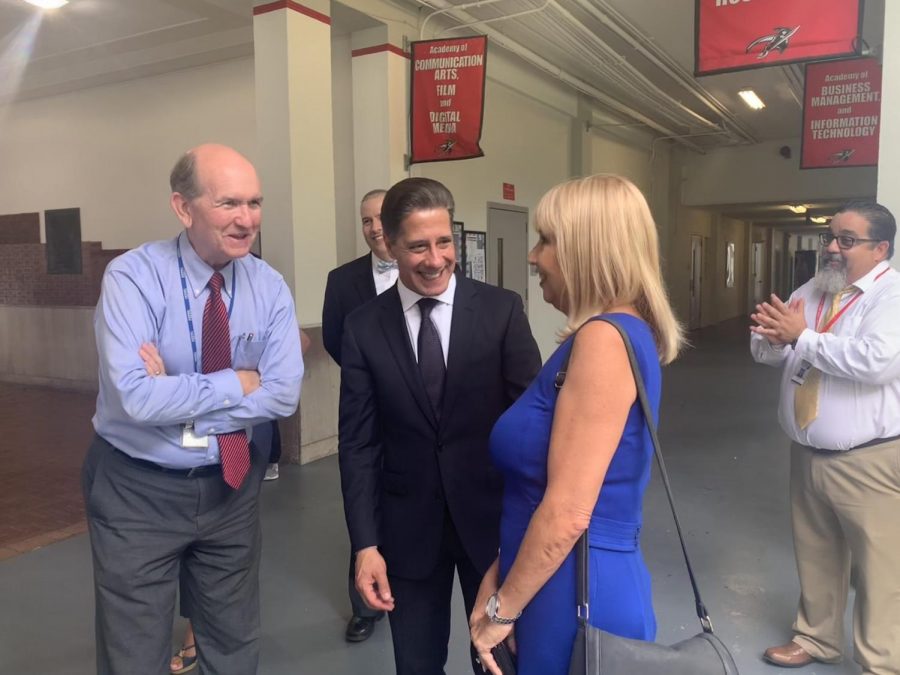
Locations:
348 287
427 368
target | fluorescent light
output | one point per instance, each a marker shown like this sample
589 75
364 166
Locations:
48 4
751 99
797 208
819 220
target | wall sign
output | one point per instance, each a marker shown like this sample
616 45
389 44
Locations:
841 114
743 34
447 99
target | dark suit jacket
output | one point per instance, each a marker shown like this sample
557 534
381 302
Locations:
348 287
401 468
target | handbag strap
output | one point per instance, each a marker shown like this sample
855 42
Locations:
581 548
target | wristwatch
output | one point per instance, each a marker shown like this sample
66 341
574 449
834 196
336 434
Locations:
493 612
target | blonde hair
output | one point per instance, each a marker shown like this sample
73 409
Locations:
608 254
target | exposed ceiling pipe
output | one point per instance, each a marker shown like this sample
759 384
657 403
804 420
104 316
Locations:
496 18
445 10
632 73
619 24
574 82
794 78
608 65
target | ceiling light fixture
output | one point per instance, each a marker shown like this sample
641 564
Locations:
797 208
819 220
751 99
48 4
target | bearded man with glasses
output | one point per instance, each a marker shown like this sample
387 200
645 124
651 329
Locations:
837 340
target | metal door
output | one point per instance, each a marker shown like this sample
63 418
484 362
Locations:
759 255
696 280
507 248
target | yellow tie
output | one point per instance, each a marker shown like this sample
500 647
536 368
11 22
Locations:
806 396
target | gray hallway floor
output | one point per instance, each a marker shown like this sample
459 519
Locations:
728 465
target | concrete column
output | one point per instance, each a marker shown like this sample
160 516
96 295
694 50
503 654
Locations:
292 54
380 110
889 139
292 46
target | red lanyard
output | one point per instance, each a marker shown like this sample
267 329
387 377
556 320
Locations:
843 309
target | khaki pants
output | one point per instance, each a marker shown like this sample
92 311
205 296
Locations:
845 509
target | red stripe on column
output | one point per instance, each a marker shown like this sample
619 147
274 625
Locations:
290 4
377 49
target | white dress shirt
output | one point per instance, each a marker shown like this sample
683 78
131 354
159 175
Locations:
383 280
859 392
442 314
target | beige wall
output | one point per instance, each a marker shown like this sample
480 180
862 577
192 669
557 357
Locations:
109 149
52 346
749 174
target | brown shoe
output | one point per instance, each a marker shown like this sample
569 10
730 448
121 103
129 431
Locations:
790 655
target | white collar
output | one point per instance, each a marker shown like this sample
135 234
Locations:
199 272
866 282
409 298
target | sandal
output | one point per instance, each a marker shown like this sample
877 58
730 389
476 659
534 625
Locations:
188 663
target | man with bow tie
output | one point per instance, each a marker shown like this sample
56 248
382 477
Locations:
348 287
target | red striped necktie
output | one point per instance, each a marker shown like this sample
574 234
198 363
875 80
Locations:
234 449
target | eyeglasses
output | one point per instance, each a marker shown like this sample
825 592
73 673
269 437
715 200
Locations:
845 241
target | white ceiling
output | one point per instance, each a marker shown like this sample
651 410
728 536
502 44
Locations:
646 73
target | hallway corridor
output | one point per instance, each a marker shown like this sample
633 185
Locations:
728 463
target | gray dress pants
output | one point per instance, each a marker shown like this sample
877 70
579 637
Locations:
147 527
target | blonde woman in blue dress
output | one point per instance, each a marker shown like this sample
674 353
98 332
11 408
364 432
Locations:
578 459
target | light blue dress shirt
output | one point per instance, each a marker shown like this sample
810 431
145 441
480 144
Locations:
141 300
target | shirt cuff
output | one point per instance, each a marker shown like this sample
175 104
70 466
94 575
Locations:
227 387
806 344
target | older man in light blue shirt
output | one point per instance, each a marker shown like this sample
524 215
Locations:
157 501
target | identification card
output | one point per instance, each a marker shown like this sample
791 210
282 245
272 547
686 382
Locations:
799 377
191 440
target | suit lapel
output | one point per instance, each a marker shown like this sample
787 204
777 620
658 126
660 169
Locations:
364 281
393 323
462 328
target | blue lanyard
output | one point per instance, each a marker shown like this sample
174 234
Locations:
187 305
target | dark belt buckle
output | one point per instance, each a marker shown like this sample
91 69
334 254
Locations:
200 471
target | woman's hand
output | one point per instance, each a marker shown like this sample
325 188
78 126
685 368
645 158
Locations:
152 360
485 636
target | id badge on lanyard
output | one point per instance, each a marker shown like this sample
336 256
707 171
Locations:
188 438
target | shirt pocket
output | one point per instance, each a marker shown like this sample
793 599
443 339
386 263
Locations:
247 354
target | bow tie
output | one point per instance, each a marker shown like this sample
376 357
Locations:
382 266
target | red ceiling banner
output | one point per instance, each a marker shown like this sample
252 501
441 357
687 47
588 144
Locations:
841 114
447 99
742 34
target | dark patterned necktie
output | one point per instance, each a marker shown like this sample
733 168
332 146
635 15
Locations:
431 355
234 449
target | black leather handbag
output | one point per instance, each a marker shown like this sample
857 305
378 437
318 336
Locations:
597 652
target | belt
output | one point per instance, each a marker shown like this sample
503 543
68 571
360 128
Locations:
867 444
875 441
194 472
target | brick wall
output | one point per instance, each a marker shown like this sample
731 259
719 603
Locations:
24 279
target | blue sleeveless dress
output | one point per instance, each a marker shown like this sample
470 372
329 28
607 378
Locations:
620 594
